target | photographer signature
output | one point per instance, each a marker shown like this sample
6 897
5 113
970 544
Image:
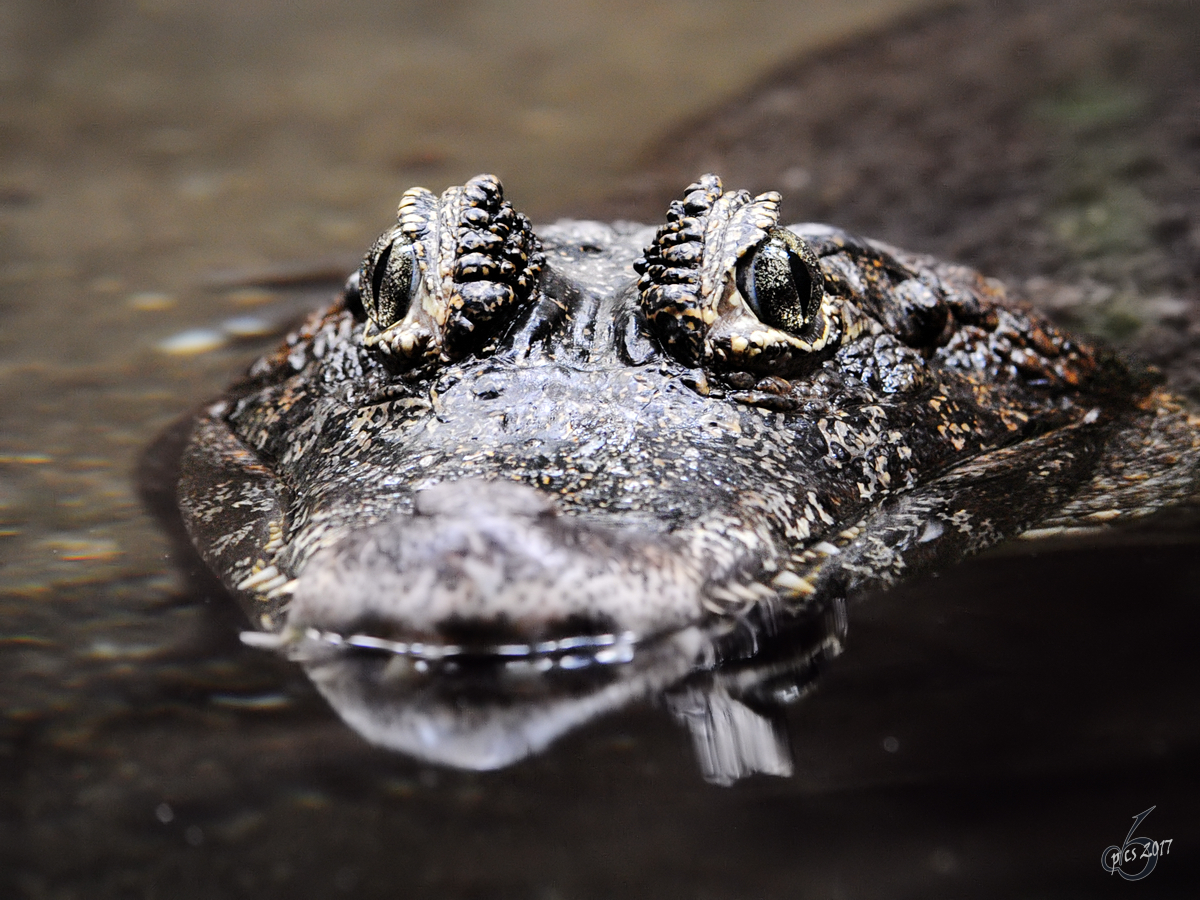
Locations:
1134 849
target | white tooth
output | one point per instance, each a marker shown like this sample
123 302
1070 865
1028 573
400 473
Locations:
288 587
794 583
274 584
262 640
254 579
744 592
761 591
719 592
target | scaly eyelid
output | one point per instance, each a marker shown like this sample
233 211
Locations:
449 276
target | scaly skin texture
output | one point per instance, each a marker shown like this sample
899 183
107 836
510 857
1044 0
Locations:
615 444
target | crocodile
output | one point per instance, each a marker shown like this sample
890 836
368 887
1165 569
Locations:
631 452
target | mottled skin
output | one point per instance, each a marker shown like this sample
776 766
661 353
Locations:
637 434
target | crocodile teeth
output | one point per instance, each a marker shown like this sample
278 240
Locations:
794 583
256 580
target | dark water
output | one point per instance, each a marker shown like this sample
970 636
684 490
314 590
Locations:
176 182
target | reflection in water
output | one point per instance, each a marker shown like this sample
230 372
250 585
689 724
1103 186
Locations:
732 740
725 683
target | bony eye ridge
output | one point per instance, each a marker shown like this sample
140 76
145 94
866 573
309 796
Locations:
450 276
781 282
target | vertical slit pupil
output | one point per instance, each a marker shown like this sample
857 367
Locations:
379 272
803 282
780 284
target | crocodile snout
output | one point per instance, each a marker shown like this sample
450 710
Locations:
493 563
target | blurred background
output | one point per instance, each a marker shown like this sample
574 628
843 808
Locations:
180 181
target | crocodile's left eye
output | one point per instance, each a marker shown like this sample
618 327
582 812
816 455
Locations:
389 278
781 281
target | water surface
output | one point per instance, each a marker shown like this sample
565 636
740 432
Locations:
178 182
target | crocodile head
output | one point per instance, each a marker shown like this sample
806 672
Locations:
554 451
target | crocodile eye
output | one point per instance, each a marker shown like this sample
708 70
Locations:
389 278
782 281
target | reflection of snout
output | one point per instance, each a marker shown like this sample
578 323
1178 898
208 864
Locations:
494 562
489 729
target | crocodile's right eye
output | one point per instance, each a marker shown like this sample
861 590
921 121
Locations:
782 281
389 278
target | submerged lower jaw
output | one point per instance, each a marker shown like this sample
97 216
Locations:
571 652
